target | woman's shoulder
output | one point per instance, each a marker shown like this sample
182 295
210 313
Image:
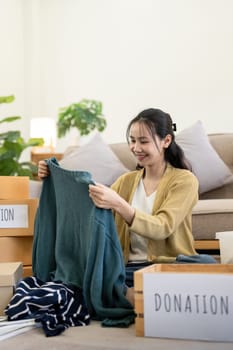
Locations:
182 174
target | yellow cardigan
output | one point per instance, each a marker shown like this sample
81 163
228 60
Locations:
169 228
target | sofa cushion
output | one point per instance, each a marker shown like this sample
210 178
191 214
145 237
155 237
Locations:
122 151
206 164
97 158
223 145
35 188
211 216
225 191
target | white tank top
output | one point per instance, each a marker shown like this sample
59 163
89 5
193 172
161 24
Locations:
138 244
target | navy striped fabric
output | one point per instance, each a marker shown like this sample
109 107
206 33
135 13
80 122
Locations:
55 305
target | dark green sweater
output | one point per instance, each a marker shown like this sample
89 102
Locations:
77 243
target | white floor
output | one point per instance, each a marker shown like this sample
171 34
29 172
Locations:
95 337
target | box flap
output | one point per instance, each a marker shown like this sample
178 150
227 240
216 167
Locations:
10 273
14 187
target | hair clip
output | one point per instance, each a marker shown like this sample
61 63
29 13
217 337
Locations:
174 126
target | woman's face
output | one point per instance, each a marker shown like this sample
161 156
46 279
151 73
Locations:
147 150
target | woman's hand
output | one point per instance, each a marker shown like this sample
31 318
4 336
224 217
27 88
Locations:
106 198
43 170
103 196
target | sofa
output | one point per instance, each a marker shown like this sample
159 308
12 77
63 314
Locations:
214 210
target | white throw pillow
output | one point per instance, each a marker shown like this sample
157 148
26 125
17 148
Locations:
97 158
206 164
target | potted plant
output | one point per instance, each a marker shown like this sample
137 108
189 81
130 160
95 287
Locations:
85 116
11 147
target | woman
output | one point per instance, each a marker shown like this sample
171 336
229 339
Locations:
153 205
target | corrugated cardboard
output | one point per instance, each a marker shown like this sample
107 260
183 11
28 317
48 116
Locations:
16 249
27 271
10 275
6 294
14 187
32 205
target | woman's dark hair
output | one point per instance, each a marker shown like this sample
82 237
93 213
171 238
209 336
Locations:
160 123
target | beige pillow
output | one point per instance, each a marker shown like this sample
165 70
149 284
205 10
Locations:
209 168
97 158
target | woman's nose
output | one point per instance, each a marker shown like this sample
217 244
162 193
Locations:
137 147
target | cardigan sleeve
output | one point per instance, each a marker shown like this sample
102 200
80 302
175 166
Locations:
173 205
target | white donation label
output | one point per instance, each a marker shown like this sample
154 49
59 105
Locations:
188 306
14 216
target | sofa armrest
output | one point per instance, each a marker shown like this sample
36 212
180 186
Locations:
211 216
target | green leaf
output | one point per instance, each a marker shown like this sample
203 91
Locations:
85 115
7 167
7 99
10 136
35 142
27 169
12 145
10 119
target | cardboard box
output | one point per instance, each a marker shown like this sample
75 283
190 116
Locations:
17 216
14 187
10 275
16 249
185 301
27 271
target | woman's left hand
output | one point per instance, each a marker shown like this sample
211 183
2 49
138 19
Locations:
106 198
103 196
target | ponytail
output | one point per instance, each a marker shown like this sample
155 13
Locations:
175 156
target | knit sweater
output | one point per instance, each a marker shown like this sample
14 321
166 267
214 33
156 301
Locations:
77 244
169 228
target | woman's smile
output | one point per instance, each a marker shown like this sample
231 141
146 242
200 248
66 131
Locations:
140 156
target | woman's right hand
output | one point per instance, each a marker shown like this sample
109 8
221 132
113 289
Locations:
43 170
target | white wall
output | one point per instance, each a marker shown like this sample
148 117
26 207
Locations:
12 60
131 54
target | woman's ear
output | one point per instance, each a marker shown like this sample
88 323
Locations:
167 140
